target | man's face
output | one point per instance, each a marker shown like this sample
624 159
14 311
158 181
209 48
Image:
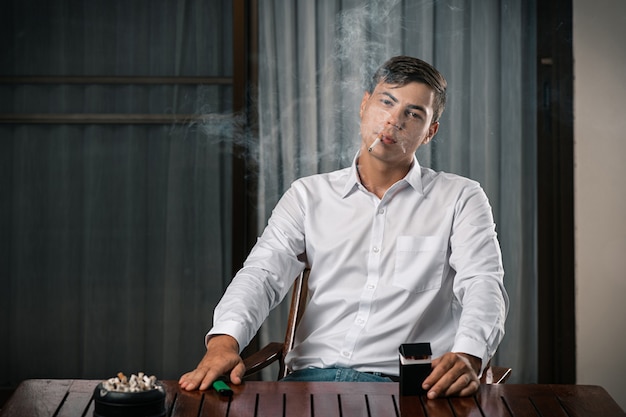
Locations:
401 117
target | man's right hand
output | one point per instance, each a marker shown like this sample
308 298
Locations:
221 358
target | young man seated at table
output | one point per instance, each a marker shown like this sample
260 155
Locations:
398 253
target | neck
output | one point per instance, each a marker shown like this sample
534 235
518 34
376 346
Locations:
377 176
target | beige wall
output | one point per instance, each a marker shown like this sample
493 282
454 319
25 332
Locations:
600 193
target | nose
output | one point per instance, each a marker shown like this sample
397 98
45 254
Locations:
394 118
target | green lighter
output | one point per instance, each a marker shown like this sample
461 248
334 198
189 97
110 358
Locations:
222 388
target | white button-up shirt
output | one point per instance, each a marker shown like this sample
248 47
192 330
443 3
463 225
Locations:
422 264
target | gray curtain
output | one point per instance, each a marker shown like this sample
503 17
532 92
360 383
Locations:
115 239
314 60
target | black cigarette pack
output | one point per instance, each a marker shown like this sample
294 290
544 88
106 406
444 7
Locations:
415 366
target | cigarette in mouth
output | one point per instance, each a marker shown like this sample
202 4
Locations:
376 142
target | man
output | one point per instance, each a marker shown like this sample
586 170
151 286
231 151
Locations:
398 254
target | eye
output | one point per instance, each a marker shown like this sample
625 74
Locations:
413 115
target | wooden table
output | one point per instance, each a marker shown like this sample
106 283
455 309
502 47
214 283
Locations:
60 398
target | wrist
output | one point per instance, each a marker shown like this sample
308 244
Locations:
222 341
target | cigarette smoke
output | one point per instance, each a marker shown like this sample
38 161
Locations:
314 126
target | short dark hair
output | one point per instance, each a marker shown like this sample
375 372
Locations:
401 70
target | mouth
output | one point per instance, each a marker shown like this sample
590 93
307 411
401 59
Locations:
382 138
387 140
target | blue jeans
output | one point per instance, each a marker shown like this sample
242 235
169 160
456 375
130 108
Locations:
334 375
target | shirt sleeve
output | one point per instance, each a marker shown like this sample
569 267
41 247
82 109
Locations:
267 274
478 285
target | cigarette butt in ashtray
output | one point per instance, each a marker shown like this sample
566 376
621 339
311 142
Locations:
376 142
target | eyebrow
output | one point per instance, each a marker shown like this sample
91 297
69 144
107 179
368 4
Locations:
410 106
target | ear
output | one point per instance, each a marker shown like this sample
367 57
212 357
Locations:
366 97
432 131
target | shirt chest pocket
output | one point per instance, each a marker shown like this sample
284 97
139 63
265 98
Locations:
420 262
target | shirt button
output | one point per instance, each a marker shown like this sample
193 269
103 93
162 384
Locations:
360 321
370 286
381 211
375 249
345 354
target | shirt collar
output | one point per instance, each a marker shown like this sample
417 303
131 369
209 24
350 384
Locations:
413 177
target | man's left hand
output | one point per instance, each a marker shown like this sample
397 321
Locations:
453 374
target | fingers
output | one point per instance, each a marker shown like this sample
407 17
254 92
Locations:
464 385
208 379
200 378
452 374
203 376
470 389
221 358
236 375
188 381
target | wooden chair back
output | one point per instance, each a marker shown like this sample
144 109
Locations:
299 295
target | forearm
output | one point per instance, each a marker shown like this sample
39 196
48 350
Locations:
482 319
479 279
242 309
253 293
